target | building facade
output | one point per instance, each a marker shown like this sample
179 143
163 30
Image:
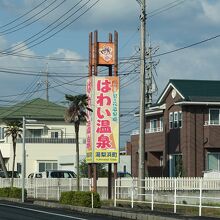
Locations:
49 141
47 137
182 131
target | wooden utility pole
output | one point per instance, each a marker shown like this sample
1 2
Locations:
141 173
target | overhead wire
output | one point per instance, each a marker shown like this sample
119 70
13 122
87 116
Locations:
26 41
59 59
17 27
165 8
23 15
68 24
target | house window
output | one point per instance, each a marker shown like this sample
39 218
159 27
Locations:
153 125
19 167
2 134
47 165
54 134
180 119
161 123
175 119
213 161
176 165
34 133
214 116
171 120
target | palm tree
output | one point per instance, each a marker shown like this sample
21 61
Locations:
76 113
13 129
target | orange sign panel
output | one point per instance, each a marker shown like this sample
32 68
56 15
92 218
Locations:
105 53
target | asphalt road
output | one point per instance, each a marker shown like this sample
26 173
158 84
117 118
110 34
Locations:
14 211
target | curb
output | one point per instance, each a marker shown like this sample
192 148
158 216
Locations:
101 211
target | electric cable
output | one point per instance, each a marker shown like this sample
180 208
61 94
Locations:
17 28
68 24
18 18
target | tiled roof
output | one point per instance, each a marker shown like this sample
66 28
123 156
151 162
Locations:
194 90
36 109
198 90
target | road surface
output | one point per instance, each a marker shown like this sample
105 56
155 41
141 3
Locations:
14 211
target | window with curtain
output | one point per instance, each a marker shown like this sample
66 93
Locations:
175 119
47 165
34 133
153 125
214 116
213 161
176 165
171 120
180 119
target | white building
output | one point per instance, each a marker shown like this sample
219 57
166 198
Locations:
48 137
49 140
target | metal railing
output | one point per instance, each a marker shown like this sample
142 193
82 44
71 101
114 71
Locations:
153 130
193 192
148 130
48 140
212 122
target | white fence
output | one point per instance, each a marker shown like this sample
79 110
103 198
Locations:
194 192
47 188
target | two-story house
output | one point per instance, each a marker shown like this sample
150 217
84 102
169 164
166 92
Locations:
49 140
182 131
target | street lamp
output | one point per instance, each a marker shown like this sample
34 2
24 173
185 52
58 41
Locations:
23 171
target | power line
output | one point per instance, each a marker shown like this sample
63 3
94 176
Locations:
18 18
17 28
188 46
44 29
165 8
68 24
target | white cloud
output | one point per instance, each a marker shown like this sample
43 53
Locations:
211 11
67 54
3 43
193 63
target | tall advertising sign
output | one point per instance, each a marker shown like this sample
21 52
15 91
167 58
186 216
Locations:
89 139
103 130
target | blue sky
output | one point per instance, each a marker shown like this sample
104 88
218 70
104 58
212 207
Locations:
171 25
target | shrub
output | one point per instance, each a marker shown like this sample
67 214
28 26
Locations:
4 192
78 198
12 192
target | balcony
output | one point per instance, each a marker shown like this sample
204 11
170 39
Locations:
48 140
212 122
148 131
153 130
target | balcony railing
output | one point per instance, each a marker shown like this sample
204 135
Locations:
212 122
48 140
148 130
153 130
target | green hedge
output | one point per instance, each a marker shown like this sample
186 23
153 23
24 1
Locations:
78 198
12 192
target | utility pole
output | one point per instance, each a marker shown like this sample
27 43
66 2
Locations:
141 165
149 78
47 84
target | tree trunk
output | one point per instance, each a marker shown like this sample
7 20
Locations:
77 155
13 165
3 165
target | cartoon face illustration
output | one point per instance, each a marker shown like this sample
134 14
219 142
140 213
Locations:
106 53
